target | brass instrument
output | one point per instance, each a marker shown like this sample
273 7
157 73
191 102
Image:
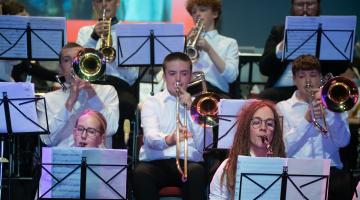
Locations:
178 124
106 42
338 94
321 125
89 64
194 35
204 108
269 152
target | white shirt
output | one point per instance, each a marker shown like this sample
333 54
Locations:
219 191
158 118
6 67
62 122
303 140
128 74
227 49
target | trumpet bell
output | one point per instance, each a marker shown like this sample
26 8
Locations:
204 109
339 94
89 65
109 53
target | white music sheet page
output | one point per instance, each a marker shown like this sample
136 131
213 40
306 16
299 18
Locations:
336 40
19 122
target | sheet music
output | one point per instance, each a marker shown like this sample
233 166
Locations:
313 191
132 36
18 122
250 190
95 188
302 38
228 111
45 43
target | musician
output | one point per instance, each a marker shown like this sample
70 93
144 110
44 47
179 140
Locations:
65 106
258 121
302 138
157 167
279 85
218 58
122 78
89 130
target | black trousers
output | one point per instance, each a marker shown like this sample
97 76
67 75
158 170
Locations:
340 186
150 177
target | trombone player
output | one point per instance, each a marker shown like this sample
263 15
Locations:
157 167
65 106
122 78
303 139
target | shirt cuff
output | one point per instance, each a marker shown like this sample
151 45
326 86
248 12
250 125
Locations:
278 51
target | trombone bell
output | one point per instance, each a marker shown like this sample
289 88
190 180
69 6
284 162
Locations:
89 65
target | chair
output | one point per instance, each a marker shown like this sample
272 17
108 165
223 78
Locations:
137 138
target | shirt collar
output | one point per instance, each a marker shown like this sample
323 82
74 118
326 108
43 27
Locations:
294 101
165 95
211 34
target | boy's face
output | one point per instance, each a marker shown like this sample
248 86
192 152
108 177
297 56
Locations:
177 70
206 14
110 7
66 61
303 77
305 8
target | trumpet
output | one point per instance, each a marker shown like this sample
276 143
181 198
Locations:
106 42
194 35
204 108
178 124
269 152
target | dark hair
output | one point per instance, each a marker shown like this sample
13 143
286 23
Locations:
176 56
241 142
305 62
215 5
12 8
69 45
100 117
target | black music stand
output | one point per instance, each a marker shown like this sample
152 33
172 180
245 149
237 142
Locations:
282 185
326 37
11 105
146 45
80 173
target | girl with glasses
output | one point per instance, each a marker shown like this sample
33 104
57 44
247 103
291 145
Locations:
258 121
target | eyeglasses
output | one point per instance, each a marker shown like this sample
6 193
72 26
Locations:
309 4
257 122
91 132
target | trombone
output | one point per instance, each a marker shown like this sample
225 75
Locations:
338 94
178 124
204 108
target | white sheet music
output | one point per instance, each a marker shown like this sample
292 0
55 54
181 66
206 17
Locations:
311 183
47 37
228 111
337 40
95 188
132 36
19 123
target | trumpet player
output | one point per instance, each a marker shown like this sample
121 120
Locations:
218 55
303 139
157 167
123 78
258 134
65 106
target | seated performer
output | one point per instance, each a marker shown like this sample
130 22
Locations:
218 55
258 126
89 130
303 139
122 78
65 106
157 167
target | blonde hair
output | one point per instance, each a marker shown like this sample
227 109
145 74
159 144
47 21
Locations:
98 116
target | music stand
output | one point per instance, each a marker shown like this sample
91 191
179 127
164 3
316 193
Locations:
27 38
83 173
282 178
326 37
15 111
146 45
